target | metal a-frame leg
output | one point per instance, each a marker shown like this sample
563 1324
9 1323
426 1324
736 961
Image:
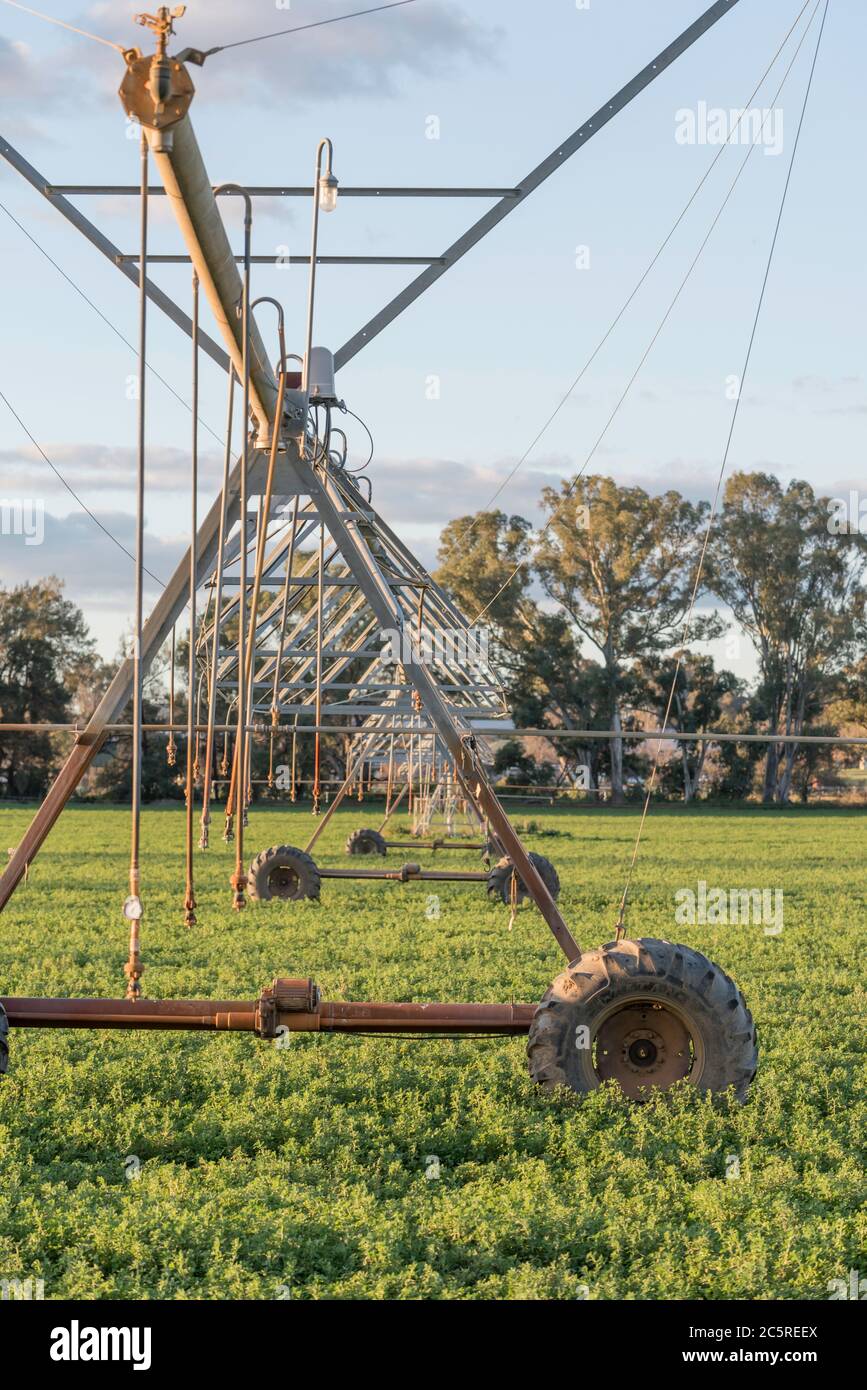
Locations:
462 749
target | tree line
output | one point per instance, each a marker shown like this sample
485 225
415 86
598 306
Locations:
587 619
587 615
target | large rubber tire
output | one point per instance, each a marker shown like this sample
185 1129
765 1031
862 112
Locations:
500 879
633 998
4 1043
365 842
283 872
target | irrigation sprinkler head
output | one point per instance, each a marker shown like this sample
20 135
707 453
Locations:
133 970
238 883
161 24
156 89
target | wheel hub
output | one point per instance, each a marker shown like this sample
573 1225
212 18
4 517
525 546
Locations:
643 1051
642 1045
283 882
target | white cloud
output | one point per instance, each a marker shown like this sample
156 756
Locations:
813 385
436 490
104 467
365 56
368 56
29 86
97 574
404 489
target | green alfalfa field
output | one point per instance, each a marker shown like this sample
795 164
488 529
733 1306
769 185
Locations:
165 1166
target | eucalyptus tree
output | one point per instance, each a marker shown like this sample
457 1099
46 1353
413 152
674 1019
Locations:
555 684
622 564
700 692
486 565
795 585
45 650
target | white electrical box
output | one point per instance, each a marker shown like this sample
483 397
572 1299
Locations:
320 378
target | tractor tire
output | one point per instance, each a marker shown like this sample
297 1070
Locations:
365 842
500 879
283 872
645 1014
4 1040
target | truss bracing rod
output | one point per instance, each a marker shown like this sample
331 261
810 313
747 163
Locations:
131 258
109 250
280 191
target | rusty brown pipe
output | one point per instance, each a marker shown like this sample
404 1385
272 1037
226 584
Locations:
245 1016
501 1019
193 1014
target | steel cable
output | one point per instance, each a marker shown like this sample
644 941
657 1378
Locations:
300 28
567 496
620 926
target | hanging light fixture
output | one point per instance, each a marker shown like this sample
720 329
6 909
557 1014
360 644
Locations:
327 192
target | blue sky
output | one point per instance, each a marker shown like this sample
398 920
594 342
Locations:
506 330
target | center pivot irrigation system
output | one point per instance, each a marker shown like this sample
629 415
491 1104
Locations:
291 579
